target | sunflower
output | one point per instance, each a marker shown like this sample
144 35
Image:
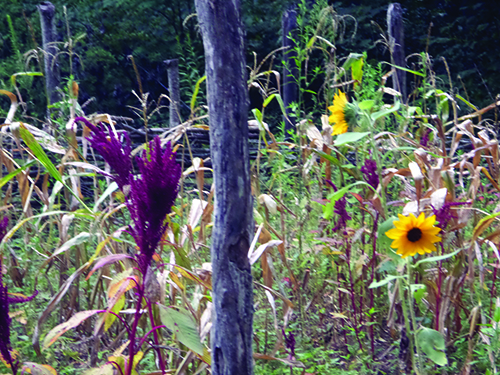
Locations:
338 117
414 235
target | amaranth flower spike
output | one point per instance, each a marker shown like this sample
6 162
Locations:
152 195
5 301
111 149
370 173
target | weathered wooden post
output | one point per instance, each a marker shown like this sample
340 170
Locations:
47 12
231 338
290 71
395 30
174 91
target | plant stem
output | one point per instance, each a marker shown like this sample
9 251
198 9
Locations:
407 325
131 347
412 314
155 335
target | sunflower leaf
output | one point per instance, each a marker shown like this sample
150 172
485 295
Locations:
387 280
351 137
432 344
436 258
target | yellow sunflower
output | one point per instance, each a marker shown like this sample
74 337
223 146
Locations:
338 117
414 235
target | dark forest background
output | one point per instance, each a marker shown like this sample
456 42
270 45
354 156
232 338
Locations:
106 32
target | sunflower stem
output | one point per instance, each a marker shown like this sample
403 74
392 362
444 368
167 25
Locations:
407 325
412 314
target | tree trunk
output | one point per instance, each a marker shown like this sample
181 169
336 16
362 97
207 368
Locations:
290 72
174 91
47 12
231 338
397 45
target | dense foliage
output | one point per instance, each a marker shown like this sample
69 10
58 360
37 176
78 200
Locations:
376 244
105 33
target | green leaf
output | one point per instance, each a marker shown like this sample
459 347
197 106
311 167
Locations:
405 69
29 74
384 112
183 326
328 210
42 157
418 291
330 158
357 69
110 189
351 59
496 315
437 258
466 102
39 153
383 240
432 344
366 105
349 137
181 258
13 174
341 192
196 91
387 280
59 330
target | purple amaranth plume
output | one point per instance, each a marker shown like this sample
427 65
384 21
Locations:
111 149
5 301
152 195
5 347
3 227
289 344
370 173
424 140
340 210
444 214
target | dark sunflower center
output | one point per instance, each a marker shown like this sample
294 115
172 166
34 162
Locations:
414 235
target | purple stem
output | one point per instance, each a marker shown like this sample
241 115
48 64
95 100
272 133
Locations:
353 299
147 334
131 347
493 289
155 334
119 317
117 366
340 306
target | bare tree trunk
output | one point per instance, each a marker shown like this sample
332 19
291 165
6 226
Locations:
231 338
174 91
47 12
397 44
290 72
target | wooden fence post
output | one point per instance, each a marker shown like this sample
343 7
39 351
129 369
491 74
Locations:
174 91
290 71
395 30
47 12
225 65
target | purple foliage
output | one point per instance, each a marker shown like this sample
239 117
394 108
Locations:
111 149
424 140
370 173
5 347
152 195
3 227
444 214
18 299
289 344
340 209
